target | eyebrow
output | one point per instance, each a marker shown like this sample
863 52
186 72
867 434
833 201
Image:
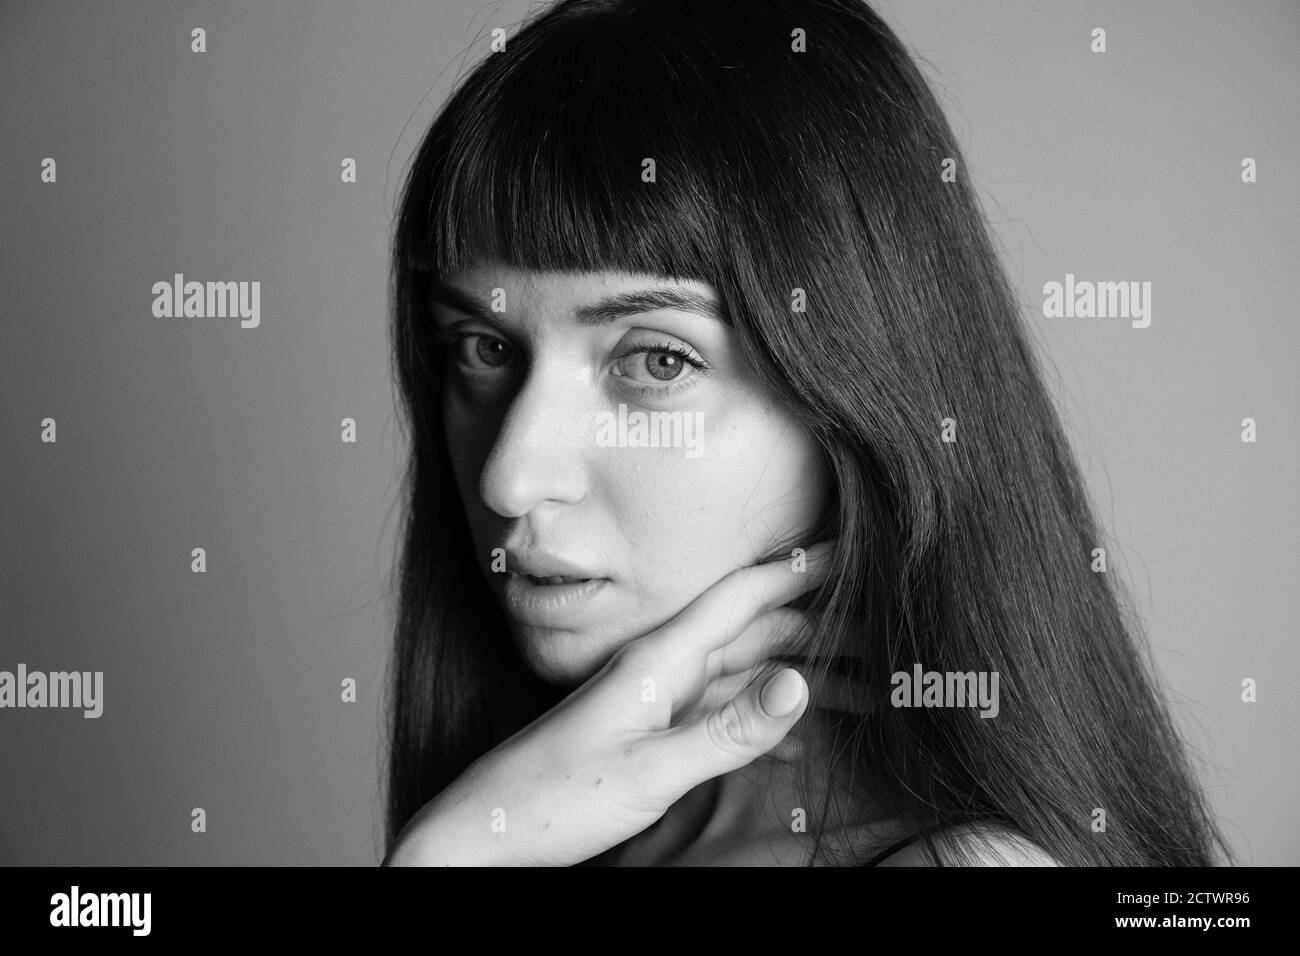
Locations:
604 312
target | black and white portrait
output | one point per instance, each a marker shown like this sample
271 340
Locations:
648 433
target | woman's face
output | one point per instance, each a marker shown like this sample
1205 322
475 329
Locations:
603 429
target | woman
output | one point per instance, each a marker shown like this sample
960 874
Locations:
717 648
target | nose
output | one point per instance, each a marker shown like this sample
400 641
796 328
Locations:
542 446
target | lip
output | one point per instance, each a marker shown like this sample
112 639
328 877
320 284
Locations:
549 604
543 564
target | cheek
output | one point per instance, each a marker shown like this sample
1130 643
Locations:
687 522
786 488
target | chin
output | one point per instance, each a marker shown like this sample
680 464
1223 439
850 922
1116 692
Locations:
560 657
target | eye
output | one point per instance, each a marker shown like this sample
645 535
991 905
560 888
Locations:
492 352
478 351
658 367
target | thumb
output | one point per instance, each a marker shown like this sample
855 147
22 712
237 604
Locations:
736 733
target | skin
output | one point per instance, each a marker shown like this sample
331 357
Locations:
525 388
660 525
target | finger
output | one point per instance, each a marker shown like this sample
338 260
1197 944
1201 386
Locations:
669 667
720 690
771 633
726 609
733 735
781 634
833 692
836 695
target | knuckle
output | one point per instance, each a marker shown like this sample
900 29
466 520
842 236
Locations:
731 729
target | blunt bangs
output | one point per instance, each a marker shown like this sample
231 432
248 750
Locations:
537 160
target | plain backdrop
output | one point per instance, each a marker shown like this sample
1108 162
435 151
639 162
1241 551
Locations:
222 690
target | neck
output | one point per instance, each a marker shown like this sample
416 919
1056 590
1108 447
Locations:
757 816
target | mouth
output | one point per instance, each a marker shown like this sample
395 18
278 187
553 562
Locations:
557 579
551 600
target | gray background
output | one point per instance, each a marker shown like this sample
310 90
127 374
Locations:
222 690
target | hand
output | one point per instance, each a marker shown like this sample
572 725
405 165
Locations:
613 756
777 637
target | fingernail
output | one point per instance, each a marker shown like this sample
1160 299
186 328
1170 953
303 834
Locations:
781 694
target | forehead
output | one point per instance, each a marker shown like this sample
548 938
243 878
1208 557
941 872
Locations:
596 298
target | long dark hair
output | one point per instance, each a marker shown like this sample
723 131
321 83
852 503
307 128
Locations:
780 168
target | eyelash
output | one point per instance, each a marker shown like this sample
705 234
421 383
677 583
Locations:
442 340
685 354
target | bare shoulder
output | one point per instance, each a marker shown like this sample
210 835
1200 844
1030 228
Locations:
990 846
